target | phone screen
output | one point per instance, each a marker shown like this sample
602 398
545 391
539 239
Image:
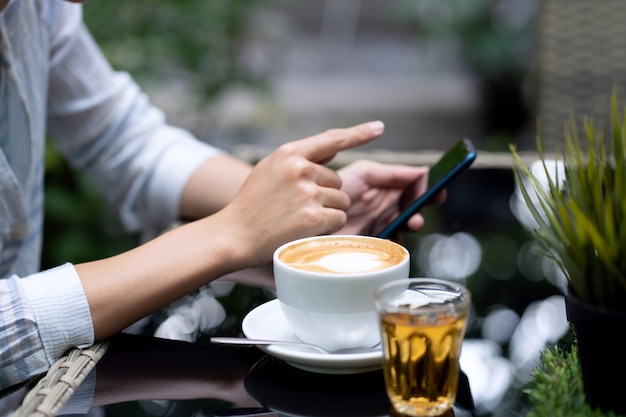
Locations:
453 162
448 163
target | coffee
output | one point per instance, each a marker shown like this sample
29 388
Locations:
325 286
343 255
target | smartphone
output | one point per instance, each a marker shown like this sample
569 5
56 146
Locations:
451 164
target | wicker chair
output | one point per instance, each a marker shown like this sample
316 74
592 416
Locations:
51 392
581 58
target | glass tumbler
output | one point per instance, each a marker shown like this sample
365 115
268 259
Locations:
422 323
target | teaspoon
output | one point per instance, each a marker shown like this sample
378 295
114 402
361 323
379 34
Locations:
249 342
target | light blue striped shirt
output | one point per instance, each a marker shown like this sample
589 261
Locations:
54 77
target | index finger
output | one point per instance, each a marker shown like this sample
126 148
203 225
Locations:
323 147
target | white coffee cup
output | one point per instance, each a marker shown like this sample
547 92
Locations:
326 284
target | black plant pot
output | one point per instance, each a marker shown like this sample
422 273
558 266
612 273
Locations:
600 336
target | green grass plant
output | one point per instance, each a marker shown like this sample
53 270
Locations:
556 387
582 220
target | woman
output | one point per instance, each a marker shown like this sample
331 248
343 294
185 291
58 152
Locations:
54 79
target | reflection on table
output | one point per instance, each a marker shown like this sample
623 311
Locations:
147 376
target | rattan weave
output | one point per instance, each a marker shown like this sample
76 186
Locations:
49 395
582 57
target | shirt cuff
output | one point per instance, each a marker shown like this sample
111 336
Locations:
61 310
175 168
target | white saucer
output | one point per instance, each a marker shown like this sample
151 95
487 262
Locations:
267 322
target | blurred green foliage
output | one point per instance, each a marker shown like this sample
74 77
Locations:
79 225
496 39
494 36
152 40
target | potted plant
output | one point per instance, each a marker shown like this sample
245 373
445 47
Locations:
580 215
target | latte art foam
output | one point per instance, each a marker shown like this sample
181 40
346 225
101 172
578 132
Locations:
343 255
347 262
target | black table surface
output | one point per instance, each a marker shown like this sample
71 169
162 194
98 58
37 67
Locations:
148 376
143 375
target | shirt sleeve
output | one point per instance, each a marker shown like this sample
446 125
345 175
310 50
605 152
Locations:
42 316
107 127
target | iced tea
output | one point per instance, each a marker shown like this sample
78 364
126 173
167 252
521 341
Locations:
422 335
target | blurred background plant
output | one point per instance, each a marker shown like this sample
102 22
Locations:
496 40
79 225
153 40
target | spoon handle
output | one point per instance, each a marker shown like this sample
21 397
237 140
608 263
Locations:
250 342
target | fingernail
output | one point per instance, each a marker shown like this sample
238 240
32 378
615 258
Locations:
377 127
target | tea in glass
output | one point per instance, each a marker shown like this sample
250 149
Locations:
423 323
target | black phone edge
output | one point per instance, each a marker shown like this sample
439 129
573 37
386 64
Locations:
422 200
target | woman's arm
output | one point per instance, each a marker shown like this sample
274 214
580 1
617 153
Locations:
287 195
212 186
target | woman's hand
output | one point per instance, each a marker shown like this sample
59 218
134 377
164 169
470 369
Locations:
379 192
291 194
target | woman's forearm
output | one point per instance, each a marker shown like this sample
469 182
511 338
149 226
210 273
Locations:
126 287
214 184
